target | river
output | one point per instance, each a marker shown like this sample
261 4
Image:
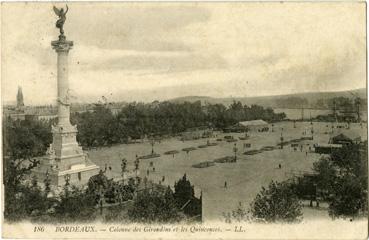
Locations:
296 114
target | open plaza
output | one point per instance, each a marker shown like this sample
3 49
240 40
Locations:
225 185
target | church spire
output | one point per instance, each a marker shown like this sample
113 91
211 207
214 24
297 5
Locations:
20 102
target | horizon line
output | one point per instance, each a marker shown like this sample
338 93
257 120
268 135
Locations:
4 103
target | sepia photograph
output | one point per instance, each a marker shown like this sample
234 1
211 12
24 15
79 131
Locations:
188 120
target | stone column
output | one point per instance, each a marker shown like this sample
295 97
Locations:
62 47
64 134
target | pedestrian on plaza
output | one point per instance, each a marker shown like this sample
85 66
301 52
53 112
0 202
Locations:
225 184
280 166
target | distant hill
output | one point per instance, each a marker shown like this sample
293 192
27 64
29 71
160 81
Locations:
278 101
191 99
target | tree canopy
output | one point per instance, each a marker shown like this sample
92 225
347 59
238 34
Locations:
277 203
136 120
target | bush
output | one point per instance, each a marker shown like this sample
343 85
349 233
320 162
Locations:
238 215
76 205
30 202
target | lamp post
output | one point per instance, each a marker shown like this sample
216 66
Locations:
235 149
137 165
123 166
281 139
312 132
145 181
152 142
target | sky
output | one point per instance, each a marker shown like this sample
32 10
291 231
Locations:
157 51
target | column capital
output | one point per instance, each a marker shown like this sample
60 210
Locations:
62 45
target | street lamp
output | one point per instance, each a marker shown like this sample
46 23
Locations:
235 149
137 164
123 166
312 132
152 142
281 139
145 181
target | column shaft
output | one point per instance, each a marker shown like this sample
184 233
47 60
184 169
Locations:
63 89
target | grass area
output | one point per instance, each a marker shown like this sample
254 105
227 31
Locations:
244 178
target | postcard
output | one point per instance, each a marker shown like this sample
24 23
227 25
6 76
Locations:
184 120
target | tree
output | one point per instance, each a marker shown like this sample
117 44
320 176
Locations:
26 139
185 199
216 115
349 192
136 120
278 203
23 141
326 175
348 159
183 191
349 197
342 178
156 206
